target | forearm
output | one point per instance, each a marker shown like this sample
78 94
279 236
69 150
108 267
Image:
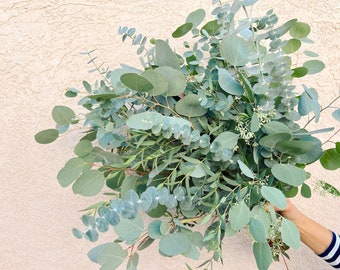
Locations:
313 235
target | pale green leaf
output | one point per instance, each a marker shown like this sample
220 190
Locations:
235 50
245 169
289 174
274 196
133 262
190 106
257 230
176 80
71 171
276 127
174 244
182 30
292 46
165 56
228 83
272 140
314 66
136 82
254 124
90 183
111 256
130 229
239 216
290 233
46 136
83 148
299 30
159 82
196 17
63 115
263 255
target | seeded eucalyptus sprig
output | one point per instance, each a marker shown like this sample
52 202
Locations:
206 135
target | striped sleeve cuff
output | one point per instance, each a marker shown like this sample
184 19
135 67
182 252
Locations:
332 254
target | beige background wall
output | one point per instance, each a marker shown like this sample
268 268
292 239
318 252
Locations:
39 45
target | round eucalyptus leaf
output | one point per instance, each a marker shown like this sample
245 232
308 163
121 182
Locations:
196 17
63 115
71 171
182 30
228 83
130 209
330 159
174 244
144 120
46 136
239 216
159 82
133 261
91 235
90 183
226 140
190 106
83 148
275 127
257 230
165 56
290 233
112 217
102 224
130 229
211 27
274 196
300 30
176 80
272 140
110 255
314 66
263 255
154 230
295 147
235 50
311 54
245 169
292 46
289 174
136 82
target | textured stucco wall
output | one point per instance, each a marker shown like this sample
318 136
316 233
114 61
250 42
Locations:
39 45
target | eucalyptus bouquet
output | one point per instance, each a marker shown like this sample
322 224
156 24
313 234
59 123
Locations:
206 137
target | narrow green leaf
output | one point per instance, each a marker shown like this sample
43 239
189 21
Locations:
133 262
46 136
306 191
290 233
182 30
245 169
276 127
136 82
254 124
289 174
90 183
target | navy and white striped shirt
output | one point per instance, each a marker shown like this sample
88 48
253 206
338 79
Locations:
332 254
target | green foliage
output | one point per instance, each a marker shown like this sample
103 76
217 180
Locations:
205 135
